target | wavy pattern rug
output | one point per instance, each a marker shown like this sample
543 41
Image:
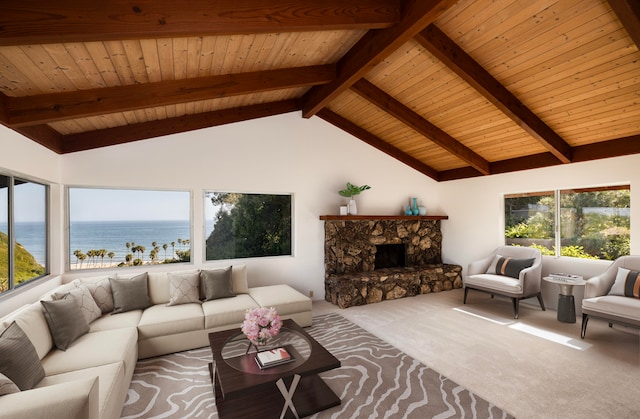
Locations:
376 380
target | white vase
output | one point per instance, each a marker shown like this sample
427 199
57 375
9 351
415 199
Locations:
353 209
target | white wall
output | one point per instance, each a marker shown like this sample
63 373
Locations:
282 154
313 160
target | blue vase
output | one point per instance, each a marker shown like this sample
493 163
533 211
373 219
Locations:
414 209
409 211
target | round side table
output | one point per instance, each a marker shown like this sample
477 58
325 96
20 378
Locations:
566 301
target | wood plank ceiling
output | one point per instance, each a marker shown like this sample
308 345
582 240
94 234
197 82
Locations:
452 88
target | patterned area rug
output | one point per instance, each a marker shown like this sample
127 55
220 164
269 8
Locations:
376 380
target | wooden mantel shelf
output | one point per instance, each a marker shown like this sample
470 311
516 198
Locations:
382 217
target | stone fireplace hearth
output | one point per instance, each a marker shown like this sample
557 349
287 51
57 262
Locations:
413 264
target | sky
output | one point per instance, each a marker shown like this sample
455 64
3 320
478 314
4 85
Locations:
29 202
128 204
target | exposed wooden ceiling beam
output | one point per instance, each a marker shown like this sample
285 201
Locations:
606 149
454 57
372 48
41 134
628 12
404 114
374 141
46 21
36 110
129 133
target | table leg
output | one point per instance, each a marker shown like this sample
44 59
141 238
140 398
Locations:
288 395
566 308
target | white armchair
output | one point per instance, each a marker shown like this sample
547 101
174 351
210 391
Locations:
612 308
517 276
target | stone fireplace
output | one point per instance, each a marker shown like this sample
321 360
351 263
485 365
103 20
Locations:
373 258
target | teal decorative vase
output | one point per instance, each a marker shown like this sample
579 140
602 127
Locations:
414 209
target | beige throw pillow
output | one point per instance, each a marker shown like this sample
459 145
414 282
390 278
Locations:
183 288
82 296
102 294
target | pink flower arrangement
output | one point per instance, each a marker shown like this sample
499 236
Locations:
261 324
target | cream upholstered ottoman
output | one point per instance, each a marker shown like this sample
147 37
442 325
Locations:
291 304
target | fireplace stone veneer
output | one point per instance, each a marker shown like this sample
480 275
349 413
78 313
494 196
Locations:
349 258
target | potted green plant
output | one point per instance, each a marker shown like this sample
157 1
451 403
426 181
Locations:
349 192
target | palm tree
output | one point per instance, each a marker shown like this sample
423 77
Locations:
128 258
102 253
173 250
164 246
77 254
111 255
82 257
90 254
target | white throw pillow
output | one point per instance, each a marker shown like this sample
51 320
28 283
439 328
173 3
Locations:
627 284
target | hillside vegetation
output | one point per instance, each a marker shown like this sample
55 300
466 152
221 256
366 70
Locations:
26 266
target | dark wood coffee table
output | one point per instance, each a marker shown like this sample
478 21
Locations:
242 389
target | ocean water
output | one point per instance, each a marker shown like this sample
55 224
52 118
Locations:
109 235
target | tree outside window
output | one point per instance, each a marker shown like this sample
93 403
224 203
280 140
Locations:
247 225
593 222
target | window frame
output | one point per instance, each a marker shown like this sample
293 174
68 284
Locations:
67 220
557 197
205 233
12 288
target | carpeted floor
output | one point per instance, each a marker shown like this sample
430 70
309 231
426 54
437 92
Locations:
375 380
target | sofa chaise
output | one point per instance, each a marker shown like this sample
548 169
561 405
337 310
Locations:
91 376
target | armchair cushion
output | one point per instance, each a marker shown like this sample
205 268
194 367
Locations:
508 266
612 305
499 283
627 283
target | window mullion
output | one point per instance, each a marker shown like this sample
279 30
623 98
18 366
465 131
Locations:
558 209
11 244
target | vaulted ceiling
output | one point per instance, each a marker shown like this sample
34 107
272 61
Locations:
452 88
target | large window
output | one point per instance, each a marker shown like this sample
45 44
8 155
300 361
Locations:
242 225
23 231
123 227
586 223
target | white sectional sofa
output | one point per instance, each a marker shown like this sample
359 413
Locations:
90 379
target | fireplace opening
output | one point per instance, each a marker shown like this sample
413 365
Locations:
390 256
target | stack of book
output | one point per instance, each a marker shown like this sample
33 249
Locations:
565 277
273 357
